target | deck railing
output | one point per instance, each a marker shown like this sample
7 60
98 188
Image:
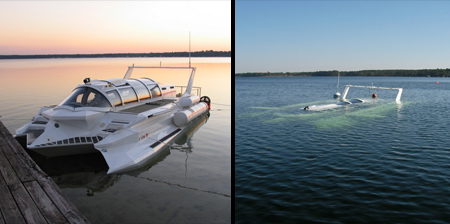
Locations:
196 91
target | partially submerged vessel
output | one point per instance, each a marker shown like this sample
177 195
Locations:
333 105
343 101
127 120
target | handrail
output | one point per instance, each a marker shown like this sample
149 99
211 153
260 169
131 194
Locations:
347 87
189 85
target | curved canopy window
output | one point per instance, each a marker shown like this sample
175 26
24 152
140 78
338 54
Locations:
128 95
152 86
86 97
156 91
114 97
140 89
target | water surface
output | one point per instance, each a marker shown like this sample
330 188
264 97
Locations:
377 162
191 180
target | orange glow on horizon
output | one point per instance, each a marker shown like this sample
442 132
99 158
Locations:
84 27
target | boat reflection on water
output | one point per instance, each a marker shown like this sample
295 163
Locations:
90 170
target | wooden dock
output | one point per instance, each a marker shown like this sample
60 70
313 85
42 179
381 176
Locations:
27 194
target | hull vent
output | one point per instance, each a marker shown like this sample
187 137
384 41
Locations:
72 141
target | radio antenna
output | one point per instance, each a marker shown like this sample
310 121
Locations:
189 49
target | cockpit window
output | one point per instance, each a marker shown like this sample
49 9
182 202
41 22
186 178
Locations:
86 97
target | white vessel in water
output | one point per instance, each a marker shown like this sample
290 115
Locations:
127 120
343 101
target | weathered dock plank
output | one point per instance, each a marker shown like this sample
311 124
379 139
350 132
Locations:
8 206
28 209
27 194
2 221
44 203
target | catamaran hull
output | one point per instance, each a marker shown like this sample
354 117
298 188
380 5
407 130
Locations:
124 157
137 154
126 149
138 148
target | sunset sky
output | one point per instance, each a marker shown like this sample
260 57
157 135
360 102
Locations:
85 27
300 36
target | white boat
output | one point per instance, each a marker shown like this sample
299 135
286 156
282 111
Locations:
343 101
127 120
332 105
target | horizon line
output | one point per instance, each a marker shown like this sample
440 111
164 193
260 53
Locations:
202 51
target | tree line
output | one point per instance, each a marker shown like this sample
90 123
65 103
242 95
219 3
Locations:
209 53
400 72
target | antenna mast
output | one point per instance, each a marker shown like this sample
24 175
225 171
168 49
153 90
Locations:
189 48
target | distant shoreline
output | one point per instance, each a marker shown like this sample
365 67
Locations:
391 73
209 53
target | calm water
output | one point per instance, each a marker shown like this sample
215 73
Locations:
378 162
189 183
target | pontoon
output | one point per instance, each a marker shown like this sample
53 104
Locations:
127 120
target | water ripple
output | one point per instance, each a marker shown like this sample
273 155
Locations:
385 163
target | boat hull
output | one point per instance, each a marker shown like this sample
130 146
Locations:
132 155
67 150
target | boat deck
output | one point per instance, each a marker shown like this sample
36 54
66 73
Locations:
148 106
27 194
